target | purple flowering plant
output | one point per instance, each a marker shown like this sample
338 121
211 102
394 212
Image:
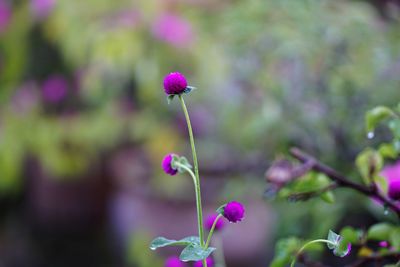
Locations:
377 244
196 248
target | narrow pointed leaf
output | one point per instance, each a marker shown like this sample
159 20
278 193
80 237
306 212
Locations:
334 238
194 252
163 242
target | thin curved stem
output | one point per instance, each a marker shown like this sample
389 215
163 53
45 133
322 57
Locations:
212 230
197 177
188 170
307 244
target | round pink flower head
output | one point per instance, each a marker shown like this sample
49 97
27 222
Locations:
173 261
394 189
210 220
174 83
384 244
173 30
55 89
210 263
166 165
234 211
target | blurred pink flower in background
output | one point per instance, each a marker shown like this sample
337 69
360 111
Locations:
55 89
392 175
42 8
5 15
173 30
26 98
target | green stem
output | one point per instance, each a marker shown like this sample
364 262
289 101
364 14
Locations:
188 170
197 177
212 230
309 243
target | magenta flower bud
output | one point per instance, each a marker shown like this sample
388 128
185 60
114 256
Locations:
384 244
174 83
394 189
210 220
210 263
55 89
234 211
173 30
173 261
166 165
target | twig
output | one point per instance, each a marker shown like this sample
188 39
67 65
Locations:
343 181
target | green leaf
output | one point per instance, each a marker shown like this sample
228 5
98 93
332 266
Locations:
387 151
394 126
334 238
375 116
369 163
340 246
382 183
194 252
328 197
284 251
380 231
351 235
343 249
188 89
163 242
394 238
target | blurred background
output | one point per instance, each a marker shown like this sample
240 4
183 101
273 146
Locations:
84 121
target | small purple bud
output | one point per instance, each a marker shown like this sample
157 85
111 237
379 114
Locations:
210 220
166 165
384 244
234 211
173 261
173 30
42 8
394 189
55 89
210 263
174 83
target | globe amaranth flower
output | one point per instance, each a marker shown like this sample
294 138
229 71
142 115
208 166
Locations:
55 89
210 221
174 30
394 189
210 263
166 165
175 83
42 8
234 211
173 261
384 244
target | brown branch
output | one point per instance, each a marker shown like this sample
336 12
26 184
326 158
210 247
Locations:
343 181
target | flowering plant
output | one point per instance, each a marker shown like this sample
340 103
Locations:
380 242
197 248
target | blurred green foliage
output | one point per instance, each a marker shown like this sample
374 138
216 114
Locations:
270 74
